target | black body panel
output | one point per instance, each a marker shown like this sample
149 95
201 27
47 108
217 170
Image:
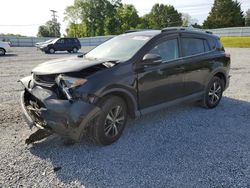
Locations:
144 87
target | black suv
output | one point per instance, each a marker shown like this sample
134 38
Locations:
130 75
61 44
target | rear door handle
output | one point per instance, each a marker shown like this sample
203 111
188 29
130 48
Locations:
179 68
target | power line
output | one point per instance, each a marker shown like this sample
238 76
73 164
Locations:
15 25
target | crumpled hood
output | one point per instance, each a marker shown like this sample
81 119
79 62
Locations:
64 65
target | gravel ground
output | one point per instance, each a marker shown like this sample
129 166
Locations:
182 146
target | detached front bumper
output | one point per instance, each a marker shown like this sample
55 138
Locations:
41 108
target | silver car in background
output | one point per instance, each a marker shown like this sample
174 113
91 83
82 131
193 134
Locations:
4 47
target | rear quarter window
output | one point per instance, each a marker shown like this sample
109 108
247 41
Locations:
75 41
206 46
219 45
216 44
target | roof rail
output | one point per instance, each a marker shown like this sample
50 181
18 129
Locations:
136 30
190 28
172 29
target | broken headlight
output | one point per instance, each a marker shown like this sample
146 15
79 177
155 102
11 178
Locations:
68 84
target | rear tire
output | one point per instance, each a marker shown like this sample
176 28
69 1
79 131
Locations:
2 52
213 93
110 124
75 50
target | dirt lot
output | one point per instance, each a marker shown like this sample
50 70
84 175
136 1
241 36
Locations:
182 146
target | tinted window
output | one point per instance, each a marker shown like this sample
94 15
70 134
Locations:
192 46
67 41
219 45
206 46
168 50
60 41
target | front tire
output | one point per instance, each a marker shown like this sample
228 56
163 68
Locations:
2 52
110 124
52 51
213 93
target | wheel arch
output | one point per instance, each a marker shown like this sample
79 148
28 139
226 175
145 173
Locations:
222 76
128 98
3 49
221 73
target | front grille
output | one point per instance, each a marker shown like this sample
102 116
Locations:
45 79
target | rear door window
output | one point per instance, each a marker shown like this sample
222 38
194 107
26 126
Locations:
193 46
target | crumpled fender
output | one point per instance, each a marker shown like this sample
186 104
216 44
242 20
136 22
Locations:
66 118
26 81
69 119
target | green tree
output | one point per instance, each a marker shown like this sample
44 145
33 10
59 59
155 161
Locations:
143 22
43 31
128 18
50 29
162 16
98 17
110 17
76 30
111 22
225 13
247 18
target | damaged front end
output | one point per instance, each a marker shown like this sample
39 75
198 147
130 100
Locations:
54 107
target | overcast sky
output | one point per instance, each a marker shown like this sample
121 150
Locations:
25 16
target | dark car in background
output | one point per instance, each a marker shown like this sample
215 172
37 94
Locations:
38 44
61 44
129 75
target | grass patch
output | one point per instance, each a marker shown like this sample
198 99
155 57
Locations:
236 42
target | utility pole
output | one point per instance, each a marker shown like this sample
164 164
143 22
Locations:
54 15
54 19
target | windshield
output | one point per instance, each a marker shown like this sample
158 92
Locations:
55 40
120 48
48 41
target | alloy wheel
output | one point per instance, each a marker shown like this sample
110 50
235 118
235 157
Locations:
114 121
215 92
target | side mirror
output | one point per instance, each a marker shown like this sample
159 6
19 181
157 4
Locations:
152 59
80 55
